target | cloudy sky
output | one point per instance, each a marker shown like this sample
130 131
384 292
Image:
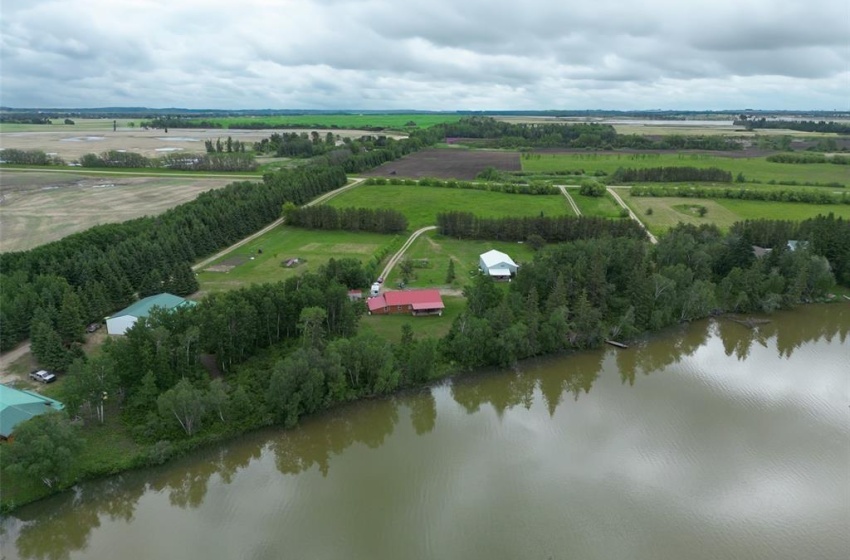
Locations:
426 54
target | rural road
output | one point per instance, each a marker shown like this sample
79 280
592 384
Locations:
274 224
632 215
11 357
570 199
397 257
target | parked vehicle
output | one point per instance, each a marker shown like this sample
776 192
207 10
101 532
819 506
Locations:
92 327
43 376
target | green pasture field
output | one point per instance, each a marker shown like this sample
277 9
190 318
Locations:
388 327
600 206
758 169
669 211
354 121
80 125
422 204
438 249
313 247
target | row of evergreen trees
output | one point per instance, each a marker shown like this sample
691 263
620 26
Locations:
670 175
774 195
235 161
108 265
379 220
808 157
553 229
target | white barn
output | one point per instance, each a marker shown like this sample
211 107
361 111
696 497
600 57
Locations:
497 265
121 322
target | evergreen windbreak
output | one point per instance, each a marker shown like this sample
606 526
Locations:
107 264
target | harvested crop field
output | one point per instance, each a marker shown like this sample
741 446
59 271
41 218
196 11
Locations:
40 207
447 164
71 144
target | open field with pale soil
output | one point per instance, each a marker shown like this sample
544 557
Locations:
37 208
71 142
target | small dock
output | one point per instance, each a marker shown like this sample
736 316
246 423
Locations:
615 343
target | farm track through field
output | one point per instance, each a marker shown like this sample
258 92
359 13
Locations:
632 215
325 197
570 200
397 257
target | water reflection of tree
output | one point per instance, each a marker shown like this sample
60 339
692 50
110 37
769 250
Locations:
55 528
316 441
657 353
423 411
574 374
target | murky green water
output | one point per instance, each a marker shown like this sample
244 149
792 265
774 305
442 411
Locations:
713 441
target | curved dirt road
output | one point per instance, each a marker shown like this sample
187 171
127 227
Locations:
400 253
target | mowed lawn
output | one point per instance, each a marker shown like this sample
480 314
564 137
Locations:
438 249
599 206
312 247
669 211
422 204
389 326
758 169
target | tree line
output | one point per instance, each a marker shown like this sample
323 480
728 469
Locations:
378 220
670 175
553 229
229 146
106 266
808 157
576 295
529 187
803 126
771 195
29 157
489 132
234 161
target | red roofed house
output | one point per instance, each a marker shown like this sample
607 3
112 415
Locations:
415 302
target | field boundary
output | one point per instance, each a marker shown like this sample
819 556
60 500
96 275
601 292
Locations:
274 224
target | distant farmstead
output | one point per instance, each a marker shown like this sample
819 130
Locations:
121 322
19 406
497 264
413 302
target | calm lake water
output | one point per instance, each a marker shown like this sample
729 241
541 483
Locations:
712 441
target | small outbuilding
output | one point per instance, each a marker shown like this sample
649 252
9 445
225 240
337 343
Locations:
413 302
18 406
497 264
355 295
121 322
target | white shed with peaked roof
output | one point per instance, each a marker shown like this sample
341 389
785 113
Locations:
497 264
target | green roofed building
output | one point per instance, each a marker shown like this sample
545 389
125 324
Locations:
120 322
19 406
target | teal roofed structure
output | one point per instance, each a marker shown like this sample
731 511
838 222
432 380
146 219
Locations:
18 406
120 322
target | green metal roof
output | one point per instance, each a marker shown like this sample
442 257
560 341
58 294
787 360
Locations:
16 406
142 308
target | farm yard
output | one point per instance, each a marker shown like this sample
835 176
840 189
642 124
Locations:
448 163
40 207
281 247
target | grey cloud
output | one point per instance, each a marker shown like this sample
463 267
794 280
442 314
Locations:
428 54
